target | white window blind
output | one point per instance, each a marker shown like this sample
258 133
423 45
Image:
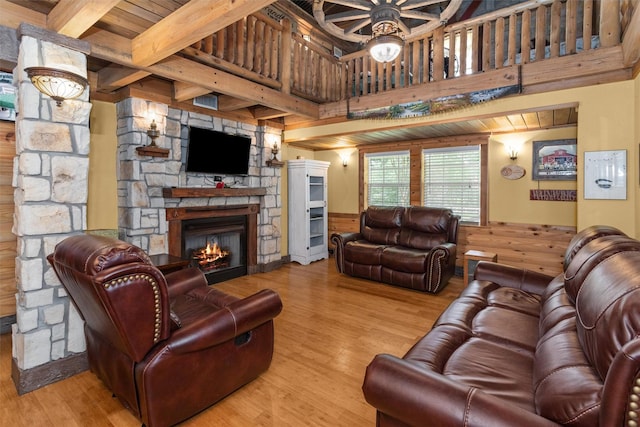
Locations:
387 178
452 180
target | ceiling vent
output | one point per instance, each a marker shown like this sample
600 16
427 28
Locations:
206 101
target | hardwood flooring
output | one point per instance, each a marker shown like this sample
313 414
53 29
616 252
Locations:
330 328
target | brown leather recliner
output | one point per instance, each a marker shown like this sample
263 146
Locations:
167 347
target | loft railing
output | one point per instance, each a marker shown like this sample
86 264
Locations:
525 33
259 49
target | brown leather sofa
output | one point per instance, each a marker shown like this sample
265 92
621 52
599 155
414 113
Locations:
518 348
412 247
167 347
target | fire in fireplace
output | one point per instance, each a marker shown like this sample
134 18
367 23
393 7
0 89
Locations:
217 246
211 257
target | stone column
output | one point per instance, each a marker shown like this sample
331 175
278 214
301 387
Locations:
270 229
50 179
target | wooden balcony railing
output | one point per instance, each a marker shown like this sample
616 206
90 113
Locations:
525 33
259 49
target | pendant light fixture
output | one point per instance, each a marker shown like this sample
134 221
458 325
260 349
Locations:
386 44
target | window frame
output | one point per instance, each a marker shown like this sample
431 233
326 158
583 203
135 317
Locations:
476 150
415 148
366 186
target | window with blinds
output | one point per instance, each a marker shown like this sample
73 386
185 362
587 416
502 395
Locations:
452 180
387 178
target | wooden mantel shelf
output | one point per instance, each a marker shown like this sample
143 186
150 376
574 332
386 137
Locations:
183 192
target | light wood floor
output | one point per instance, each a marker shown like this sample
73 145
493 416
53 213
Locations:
329 330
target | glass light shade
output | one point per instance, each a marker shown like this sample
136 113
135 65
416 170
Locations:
385 48
58 84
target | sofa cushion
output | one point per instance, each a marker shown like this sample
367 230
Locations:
594 252
363 252
498 370
484 308
585 236
381 224
425 228
405 259
608 317
566 388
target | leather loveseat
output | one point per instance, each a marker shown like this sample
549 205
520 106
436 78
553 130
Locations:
168 346
518 348
413 247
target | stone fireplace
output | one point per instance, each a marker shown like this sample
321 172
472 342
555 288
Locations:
157 197
220 240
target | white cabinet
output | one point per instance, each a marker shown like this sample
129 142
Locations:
307 196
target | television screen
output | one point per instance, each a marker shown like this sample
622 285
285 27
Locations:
210 151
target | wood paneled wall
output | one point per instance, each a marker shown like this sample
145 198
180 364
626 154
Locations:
532 246
7 239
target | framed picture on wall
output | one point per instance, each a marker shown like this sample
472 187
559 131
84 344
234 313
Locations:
605 174
555 160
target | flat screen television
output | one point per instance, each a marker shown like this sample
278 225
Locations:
210 151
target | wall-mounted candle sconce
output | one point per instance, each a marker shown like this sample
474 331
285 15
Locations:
345 160
513 153
153 133
152 149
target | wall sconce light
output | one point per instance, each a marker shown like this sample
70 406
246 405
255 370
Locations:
513 153
274 151
345 160
153 133
58 84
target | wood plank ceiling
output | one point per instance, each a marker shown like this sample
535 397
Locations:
561 116
134 42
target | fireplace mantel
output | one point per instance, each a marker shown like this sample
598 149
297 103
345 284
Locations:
184 192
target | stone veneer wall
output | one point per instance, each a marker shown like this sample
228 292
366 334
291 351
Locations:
50 181
142 215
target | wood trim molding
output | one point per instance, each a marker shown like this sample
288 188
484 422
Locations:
185 192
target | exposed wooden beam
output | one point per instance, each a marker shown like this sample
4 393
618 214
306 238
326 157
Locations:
114 48
73 17
205 17
265 113
231 103
114 77
183 91
13 15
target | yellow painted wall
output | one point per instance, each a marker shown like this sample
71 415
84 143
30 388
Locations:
607 116
343 195
102 203
509 199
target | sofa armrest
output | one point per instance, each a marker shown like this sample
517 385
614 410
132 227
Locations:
418 397
512 277
340 240
182 281
230 321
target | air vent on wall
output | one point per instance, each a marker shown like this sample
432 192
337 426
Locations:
206 101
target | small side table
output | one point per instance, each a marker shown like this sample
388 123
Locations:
168 263
471 259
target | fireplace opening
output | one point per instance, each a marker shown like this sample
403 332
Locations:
217 246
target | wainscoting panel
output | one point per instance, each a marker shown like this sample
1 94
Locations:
536 247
